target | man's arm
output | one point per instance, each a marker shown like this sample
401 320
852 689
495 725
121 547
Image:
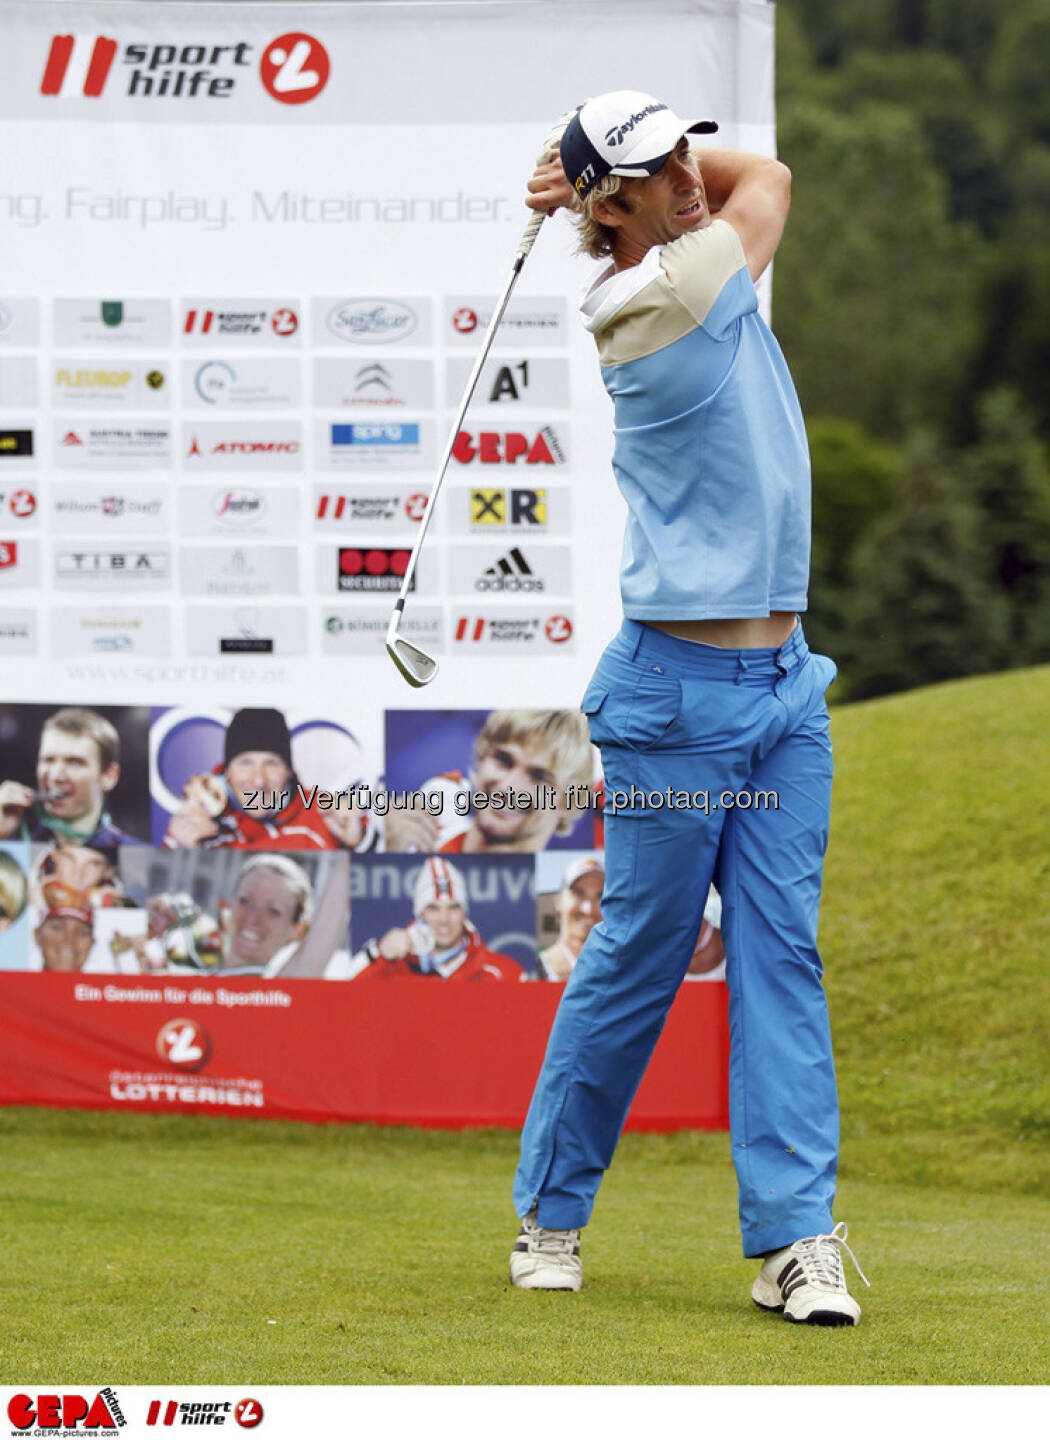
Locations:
751 192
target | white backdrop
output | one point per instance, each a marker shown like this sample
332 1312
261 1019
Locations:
174 536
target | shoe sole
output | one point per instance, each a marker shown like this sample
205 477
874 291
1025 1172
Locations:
822 1317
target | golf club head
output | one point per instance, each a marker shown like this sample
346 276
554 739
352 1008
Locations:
415 665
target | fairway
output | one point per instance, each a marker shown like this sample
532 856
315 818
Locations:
188 1251
207 1252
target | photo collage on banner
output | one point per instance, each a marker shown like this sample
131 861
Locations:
253 842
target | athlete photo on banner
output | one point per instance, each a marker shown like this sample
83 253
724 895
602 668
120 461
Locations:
218 915
478 782
256 779
73 775
468 919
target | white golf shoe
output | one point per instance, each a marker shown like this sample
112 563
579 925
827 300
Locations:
546 1259
805 1281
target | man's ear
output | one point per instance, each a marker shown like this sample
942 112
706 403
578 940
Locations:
606 213
108 779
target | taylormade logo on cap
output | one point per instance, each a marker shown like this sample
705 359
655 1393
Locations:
624 132
616 134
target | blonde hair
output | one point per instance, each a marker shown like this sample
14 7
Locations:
563 732
293 875
592 237
73 721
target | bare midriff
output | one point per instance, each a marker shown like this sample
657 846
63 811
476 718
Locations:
761 633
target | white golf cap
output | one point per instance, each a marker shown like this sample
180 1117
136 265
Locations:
438 880
586 865
624 132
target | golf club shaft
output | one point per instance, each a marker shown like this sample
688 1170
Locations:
524 246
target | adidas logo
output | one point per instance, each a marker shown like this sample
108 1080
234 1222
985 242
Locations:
511 573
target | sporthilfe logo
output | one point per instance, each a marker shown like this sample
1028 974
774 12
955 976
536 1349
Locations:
293 68
183 1043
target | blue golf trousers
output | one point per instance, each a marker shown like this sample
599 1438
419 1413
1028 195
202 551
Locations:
717 767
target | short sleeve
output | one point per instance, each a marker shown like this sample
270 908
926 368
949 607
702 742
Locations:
700 265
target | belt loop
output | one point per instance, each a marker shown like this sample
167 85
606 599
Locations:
741 670
636 637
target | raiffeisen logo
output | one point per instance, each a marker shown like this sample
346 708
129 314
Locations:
293 68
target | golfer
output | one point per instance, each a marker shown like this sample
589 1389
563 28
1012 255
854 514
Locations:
708 686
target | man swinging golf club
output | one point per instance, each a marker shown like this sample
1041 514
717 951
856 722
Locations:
710 686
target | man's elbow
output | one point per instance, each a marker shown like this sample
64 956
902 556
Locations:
780 177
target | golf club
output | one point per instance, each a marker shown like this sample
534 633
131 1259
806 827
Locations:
415 664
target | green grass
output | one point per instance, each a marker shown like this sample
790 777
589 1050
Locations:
210 1252
182 1250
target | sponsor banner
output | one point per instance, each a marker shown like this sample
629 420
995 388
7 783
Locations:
520 568
397 505
123 447
259 511
19 563
534 445
484 510
17 448
19 323
136 509
112 322
371 320
19 504
527 322
111 382
513 631
18 629
261 324
292 69
75 632
373 383
376 444
313 1050
541 381
102 567
241 384
240 569
246 630
18 381
362 631
372 569
237 445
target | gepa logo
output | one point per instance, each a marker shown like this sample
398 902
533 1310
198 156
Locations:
68 1414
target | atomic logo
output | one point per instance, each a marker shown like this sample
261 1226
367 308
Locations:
558 628
464 320
294 68
78 65
183 1043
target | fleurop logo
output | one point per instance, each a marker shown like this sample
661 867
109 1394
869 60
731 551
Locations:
183 1043
293 68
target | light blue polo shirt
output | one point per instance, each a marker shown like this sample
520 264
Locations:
711 452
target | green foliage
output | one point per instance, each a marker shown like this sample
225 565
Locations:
921 607
873 288
1017 70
